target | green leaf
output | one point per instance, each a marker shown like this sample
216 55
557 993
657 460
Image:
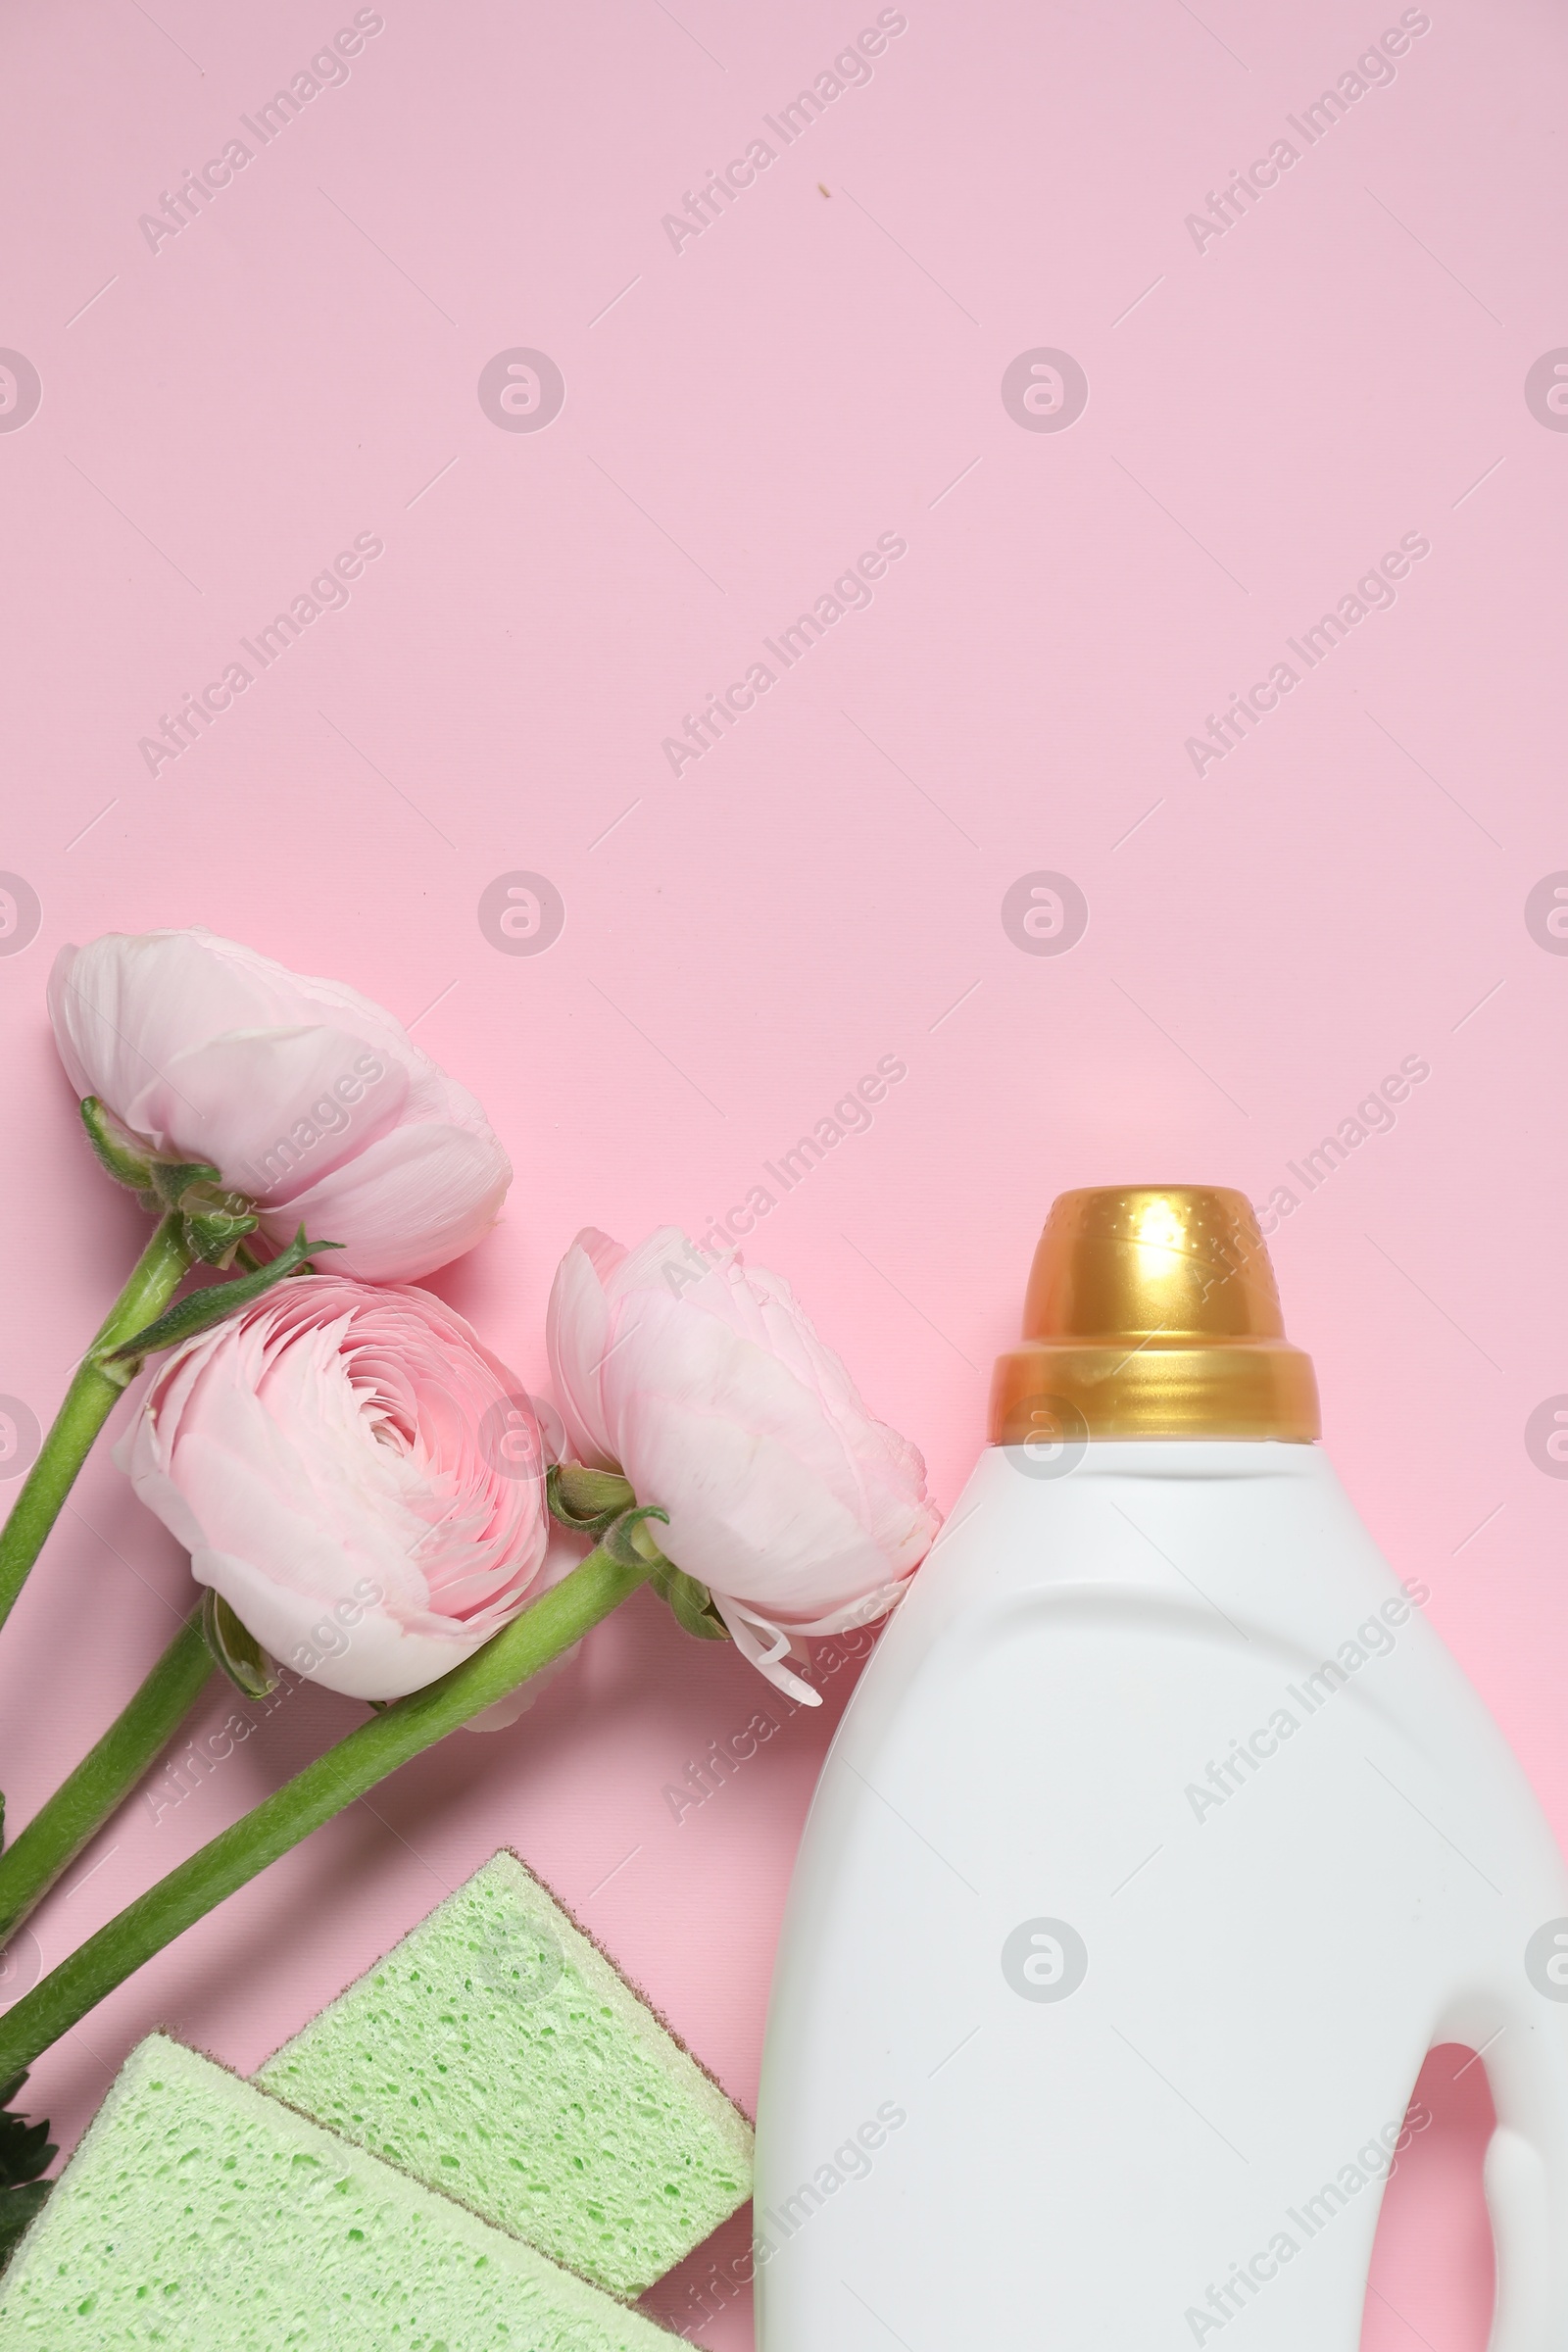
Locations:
19 2207
115 1150
236 1649
203 1308
589 1501
25 2151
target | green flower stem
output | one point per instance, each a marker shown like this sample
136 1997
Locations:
60 2000
81 1805
93 1392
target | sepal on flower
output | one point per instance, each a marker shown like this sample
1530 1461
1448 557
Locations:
214 1220
115 1152
172 1179
216 1234
253 1673
629 1542
691 1603
586 1500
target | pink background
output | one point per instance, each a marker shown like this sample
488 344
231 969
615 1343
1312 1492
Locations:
742 941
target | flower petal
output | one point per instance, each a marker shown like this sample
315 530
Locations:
408 1203
210 1051
577 1337
333 1457
710 1388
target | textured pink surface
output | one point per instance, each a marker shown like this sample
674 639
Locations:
743 416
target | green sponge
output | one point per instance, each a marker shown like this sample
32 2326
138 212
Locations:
200 2214
497 2055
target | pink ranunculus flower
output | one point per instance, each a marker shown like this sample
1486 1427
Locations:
707 1386
304 1094
355 1473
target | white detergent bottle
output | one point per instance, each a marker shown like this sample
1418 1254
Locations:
1160 1841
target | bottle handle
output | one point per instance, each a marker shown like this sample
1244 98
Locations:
1526 2178
1530 2314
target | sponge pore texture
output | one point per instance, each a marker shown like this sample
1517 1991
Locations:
497 2055
199 2214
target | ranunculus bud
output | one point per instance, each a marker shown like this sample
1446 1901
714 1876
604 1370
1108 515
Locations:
706 1384
356 1473
307 1098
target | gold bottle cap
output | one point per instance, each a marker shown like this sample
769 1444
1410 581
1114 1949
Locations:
1151 1313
